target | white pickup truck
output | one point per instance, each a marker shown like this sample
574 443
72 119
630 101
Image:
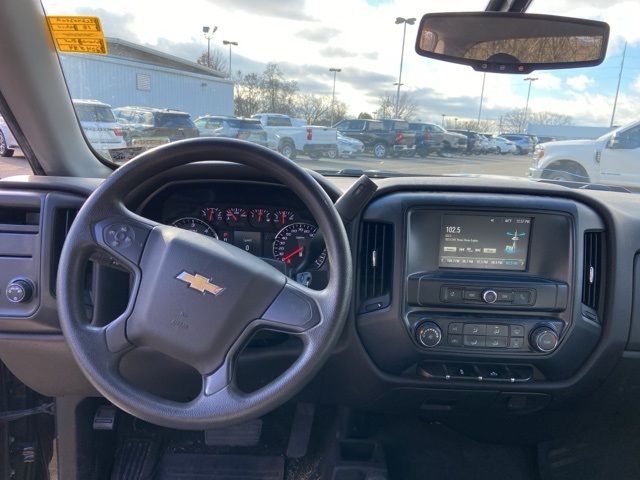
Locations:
613 159
289 138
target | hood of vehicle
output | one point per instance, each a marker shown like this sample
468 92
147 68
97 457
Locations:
570 144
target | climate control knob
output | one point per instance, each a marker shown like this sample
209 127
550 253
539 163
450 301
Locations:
544 339
428 334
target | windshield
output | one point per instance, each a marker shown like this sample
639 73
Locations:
305 69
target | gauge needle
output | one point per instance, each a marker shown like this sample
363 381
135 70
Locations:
287 258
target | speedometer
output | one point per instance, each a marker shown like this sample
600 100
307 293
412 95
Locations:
195 225
293 241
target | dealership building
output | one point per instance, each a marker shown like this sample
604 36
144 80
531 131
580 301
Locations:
133 75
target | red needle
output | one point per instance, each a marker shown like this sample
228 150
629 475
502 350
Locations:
288 257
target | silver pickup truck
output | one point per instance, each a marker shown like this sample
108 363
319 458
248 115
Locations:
291 139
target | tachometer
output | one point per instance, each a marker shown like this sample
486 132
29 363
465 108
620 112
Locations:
195 225
292 242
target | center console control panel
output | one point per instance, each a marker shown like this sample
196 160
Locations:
471 335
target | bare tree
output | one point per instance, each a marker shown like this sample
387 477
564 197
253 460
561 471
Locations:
217 60
278 92
313 108
340 111
485 126
514 121
407 106
248 94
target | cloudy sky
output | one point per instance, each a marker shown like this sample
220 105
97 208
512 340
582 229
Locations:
307 37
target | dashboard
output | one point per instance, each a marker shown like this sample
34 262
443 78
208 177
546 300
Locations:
266 221
469 292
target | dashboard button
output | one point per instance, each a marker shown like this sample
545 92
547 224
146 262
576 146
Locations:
19 291
490 296
516 342
455 328
498 330
454 340
505 296
496 342
475 329
474 341
517 330
473 295
522 298
452 294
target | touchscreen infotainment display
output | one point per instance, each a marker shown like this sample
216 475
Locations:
484 241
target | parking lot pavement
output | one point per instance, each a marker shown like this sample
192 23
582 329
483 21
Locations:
17 165
510 165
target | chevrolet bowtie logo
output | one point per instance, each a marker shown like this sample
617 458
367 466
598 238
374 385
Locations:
200 283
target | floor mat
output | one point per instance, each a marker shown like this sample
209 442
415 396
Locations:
181 466
609 453
419 450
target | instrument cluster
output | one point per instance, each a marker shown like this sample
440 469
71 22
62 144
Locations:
271 232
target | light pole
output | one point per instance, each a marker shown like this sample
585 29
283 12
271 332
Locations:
455 122
208 34
484 77
443 117
333 95
404 22
230 43
526 107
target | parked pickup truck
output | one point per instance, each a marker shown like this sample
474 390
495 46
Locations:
611 159
314 141
432 138
378 139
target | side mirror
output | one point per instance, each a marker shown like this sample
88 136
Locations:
503 42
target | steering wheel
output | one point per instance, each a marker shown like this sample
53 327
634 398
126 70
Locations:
197 299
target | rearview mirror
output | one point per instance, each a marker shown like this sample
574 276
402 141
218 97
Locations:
512 42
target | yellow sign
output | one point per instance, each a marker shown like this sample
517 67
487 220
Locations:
75 34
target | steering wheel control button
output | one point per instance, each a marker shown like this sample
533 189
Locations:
124 238
119 235
429 334
490 296
544 339
19 291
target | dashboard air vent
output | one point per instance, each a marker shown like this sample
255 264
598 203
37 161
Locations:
592 275
62 220
375 266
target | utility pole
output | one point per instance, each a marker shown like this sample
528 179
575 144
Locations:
484 77
404 21
333 95
526 107
615 102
